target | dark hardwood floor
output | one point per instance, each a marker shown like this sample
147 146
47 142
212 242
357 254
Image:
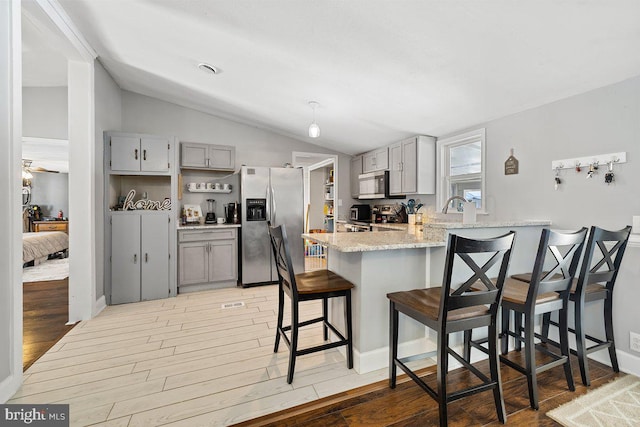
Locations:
45 314
409 406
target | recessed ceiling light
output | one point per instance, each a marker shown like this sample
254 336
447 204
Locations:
208 68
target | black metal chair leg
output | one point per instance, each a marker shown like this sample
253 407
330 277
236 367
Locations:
530 360
294 343
608 327
517 327
280 314
494 366
563 317
393 343
466 351
443 367
546 319
581 342
504 340
325 318
347 313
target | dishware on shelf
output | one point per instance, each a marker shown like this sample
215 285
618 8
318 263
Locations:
218 186
192 186
221 220
226 187
202 185
209 185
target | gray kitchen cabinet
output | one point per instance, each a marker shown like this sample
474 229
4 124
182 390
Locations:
208 257
412 168
195 155
139 257
375 160
137 153
356 170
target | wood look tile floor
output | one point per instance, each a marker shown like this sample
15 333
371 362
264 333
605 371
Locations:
185 361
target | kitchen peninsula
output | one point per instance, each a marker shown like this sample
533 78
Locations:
411 257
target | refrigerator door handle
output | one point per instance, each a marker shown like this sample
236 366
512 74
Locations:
268 207
273 200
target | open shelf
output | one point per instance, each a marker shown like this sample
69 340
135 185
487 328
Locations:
208 190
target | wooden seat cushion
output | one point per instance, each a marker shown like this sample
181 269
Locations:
591 289
427 301
515 291
320 281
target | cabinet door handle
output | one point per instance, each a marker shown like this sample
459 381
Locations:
146 257
135 152
144 154
135 258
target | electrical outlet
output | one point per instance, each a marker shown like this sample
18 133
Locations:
634 341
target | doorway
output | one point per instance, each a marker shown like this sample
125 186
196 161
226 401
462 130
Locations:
320 201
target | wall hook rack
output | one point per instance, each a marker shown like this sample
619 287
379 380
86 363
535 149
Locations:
575 162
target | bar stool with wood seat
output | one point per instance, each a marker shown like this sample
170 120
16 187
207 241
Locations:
548 291
314 285
454 308
595 283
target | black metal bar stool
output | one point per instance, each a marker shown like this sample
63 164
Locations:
595 283
315 285
453 308
547 291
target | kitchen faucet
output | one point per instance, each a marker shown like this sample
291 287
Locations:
446 204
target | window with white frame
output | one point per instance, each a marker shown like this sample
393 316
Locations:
461 169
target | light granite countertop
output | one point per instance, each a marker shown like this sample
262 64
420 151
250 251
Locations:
410 238
407 236
207 226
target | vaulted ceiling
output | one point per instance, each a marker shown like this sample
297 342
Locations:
380 70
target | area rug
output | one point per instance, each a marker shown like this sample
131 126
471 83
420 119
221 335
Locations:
53 269
614 404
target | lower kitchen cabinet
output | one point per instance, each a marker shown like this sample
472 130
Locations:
207 259
139 256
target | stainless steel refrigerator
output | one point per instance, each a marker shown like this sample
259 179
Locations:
276 195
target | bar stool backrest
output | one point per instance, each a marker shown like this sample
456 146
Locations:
605 268
282 257
463 296
563 250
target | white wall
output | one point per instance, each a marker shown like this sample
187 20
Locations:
254 146
10 184
108 116
602 121
45 112
50 191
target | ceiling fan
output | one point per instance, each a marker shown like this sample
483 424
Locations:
27 168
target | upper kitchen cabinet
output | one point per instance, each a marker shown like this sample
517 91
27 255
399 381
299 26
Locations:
376 160
207 156
412 168
356 169
131 153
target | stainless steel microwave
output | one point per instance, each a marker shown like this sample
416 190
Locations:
374 185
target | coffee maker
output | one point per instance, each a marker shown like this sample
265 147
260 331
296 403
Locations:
232 213
211 213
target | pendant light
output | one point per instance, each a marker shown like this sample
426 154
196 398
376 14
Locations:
314 129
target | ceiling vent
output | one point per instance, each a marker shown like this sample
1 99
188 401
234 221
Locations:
208 68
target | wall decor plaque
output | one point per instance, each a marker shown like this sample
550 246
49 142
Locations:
144 204
511 165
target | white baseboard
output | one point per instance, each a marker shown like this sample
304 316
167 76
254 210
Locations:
379 358
99 305
628 363
207 287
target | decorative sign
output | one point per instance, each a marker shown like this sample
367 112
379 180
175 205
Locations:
144 204
511 165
